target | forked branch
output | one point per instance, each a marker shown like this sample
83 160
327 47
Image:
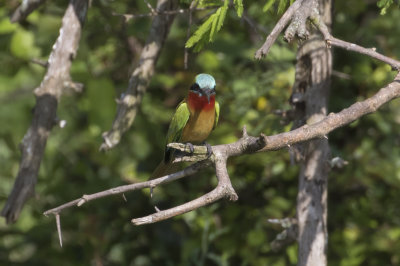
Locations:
248 144
130 101
47 97
245 145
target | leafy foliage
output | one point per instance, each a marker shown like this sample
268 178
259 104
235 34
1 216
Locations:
206 32
239 7
281 5
385 4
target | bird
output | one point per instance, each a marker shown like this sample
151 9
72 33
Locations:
194 119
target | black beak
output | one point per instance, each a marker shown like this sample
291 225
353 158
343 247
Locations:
208 93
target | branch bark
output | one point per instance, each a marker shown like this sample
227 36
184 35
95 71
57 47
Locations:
194 168
128 17
47 97
283 21
314 132
249 144
332 41
313 70
130 101
245 145
25 9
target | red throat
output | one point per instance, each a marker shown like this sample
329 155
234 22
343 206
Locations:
200 103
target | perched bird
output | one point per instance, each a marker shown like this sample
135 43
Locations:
194 119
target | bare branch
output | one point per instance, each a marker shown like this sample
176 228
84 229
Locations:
128 17
283 21
130 101
245 145
58 223
40 62
47 97
186 155
194 168
223 189
206 199
192 7
287 236
26 8
150 7
298 25
335 120
299 12
332 41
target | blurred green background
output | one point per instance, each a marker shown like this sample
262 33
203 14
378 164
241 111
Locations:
364 201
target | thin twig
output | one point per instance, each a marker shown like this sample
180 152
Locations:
194 168
332 41
162 13
223 189
283 21
206 199
131 99
40 62
152 10
47 95
245 145
192 7
58 223
26 8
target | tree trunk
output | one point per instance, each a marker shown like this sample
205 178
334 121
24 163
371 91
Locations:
310 98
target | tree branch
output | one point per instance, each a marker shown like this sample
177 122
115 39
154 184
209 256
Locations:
25 9
298 13
287 236
283 21
332 41
245 145
130 101
47 97
335 120
192 169
248 145
128 17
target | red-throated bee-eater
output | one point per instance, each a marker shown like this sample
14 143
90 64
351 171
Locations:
194 119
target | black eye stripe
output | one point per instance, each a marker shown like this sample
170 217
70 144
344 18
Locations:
195 87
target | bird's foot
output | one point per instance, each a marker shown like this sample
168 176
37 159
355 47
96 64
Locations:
209 149
191 147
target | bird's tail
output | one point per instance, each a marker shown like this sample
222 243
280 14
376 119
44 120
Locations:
164 168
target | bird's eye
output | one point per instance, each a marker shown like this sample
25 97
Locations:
195 87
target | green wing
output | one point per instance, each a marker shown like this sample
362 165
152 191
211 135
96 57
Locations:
216 114
176 126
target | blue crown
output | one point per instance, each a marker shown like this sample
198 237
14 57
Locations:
205 81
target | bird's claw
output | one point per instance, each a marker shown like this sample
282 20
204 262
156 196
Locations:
191 147
209 149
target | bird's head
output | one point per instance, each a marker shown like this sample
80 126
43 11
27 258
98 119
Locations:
204 86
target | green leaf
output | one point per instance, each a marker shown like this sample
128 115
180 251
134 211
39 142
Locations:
282 6
239 7
214 24
384 5
209 28
218 21
268 5
200 32
207 3
222 15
